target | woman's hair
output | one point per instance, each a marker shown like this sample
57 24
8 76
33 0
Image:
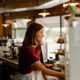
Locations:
31 32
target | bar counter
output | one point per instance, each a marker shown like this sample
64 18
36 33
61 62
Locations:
11 65
10 62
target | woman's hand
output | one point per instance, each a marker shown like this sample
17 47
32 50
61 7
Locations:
48 65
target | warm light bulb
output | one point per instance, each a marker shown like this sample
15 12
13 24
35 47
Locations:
65 5
44 14
27 20
5 25
73 3
70 4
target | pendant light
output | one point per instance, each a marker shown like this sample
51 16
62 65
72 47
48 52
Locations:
5 25
44 13
27 19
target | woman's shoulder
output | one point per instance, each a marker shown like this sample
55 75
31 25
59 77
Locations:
27 46
30 47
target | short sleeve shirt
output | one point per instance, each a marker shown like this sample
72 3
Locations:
27 56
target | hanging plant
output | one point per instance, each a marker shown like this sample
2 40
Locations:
73 9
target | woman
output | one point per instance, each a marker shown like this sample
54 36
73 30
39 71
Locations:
30 55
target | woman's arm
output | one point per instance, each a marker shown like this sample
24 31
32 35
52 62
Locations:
48 65
39 66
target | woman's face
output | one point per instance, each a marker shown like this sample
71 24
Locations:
38 37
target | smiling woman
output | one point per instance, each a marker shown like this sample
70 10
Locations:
31 57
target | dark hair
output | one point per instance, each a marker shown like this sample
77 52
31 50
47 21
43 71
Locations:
30 33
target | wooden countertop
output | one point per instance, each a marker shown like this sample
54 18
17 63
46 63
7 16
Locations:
13 63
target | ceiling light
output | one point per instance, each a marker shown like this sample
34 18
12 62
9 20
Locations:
27 20
71 3
5 25
44 13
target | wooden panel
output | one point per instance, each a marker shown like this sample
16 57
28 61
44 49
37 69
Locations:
1 28
9 31
20 4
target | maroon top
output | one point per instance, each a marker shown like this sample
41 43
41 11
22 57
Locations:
27 56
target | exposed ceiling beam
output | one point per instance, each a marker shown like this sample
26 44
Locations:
49 4
40 2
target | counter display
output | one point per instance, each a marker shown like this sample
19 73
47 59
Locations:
12 66
8 68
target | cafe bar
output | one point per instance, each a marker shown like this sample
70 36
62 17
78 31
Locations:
39 39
